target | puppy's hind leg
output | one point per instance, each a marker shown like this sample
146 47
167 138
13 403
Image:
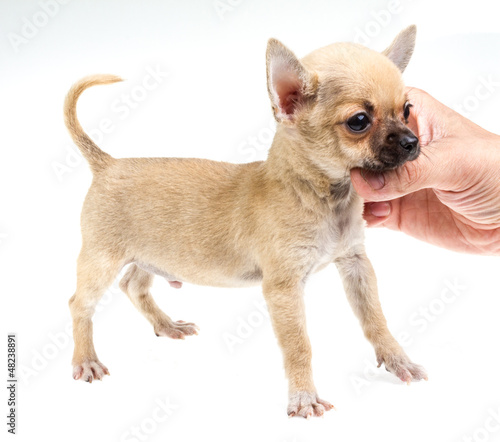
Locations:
94 276
136 284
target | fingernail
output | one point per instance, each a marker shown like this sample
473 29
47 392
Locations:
381 209
374 179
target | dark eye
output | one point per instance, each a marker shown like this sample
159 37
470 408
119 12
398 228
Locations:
358 122
406 110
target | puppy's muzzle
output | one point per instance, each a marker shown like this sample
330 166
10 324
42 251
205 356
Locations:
398 148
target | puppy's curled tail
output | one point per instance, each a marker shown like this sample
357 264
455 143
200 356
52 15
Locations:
97 159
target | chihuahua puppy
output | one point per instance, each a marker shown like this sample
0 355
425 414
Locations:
272 222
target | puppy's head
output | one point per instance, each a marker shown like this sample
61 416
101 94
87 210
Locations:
345 104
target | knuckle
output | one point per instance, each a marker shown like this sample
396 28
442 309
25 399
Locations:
409 175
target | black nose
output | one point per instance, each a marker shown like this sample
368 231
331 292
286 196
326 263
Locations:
408 142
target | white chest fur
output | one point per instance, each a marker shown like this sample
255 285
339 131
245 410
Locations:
341 232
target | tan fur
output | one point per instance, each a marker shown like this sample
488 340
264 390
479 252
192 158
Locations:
271 223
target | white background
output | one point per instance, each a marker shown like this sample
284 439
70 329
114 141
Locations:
212 104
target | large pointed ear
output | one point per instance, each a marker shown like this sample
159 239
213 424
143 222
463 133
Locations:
401 49
289 83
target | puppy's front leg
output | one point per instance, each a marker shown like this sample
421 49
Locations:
286 308
360 285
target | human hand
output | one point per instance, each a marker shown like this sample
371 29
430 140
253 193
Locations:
450 195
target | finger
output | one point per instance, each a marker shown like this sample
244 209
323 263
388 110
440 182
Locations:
379 209
376 214
384 186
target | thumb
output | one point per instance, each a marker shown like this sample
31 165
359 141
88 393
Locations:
392 184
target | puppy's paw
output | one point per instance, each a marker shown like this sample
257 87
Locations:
177 330
400 365
89 370
306 404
